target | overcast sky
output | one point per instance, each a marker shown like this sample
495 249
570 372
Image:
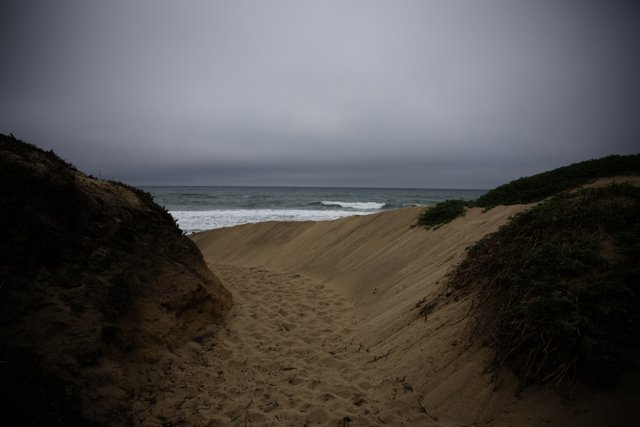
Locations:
435 94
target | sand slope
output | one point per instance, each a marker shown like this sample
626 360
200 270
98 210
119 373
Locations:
337 304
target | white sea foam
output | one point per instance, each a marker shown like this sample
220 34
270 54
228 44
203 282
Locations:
194 221
356 205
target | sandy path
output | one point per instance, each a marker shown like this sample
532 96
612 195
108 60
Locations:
287 359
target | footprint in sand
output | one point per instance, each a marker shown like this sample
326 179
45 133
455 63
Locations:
287 358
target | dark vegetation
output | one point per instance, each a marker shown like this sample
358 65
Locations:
538 187
558 287
442 213
534 188
146 199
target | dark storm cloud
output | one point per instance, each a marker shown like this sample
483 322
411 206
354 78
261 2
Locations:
381 93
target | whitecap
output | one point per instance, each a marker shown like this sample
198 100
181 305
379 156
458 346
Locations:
356 205
194 221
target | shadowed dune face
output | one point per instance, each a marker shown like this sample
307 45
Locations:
95 279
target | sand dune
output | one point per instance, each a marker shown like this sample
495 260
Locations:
327 331
111 316
98 289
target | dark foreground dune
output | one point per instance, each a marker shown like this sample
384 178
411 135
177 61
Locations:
98 288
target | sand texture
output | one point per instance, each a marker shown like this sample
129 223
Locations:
326 331
301 364
287 358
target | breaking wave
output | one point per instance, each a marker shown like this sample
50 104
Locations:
194 221
356 205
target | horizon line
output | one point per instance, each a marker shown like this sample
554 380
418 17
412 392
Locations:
311 186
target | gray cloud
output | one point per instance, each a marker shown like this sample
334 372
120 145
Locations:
378 93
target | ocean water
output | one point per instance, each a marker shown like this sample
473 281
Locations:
204 208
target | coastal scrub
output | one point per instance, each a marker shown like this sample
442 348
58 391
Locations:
540 186
557 287
441 213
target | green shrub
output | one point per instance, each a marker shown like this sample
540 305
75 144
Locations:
558 286
441 213
546 184
534 188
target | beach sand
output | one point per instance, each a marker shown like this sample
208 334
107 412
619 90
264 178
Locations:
326 327
326 330
291 359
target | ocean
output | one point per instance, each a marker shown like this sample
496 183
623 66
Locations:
205 208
